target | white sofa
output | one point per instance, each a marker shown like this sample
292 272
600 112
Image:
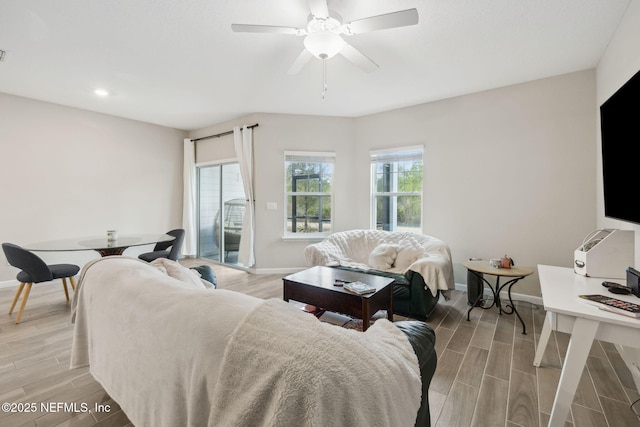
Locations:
420 264
172 352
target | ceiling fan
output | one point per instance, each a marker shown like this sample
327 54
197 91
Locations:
323 34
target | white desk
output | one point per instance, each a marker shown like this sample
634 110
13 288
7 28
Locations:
566 312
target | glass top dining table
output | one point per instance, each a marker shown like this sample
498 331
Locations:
103 245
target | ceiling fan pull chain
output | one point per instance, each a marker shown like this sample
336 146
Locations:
324 76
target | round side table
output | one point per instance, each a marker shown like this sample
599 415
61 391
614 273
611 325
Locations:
514 274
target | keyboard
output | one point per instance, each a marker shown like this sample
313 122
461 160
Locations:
614 305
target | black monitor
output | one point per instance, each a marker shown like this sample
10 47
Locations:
620 126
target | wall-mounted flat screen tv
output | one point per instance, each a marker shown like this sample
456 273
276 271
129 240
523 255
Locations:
620 126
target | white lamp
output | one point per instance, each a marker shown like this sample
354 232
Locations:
323 44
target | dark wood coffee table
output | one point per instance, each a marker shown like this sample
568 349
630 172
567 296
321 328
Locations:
315 286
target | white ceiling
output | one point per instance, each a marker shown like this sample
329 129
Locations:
177 63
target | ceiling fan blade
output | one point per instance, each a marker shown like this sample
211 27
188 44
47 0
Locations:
319 8
402 18
358 58
300 62
247 28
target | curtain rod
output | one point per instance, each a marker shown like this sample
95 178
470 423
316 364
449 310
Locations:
221 134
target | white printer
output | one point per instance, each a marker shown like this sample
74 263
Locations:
605 253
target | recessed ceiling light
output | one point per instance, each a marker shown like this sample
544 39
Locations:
101 92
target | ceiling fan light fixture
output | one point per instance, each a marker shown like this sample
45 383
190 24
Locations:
324 31
323 44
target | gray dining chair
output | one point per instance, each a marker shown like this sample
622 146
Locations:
170 249
35 270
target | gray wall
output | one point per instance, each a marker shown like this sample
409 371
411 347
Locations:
66 173
510 170
276 134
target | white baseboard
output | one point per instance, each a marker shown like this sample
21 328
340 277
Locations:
515 296
8 284
11 284
459 286
532 299
277 270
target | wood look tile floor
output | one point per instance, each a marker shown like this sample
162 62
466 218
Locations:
485 376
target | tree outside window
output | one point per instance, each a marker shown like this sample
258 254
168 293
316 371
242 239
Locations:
397 189
308 179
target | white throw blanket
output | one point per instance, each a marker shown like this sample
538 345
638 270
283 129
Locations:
153 342
173 353
164 265
284 368
423 254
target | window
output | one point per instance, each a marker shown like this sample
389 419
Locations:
220 211
396 182
309 192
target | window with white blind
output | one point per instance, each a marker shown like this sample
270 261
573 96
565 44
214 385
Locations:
396 183
309 193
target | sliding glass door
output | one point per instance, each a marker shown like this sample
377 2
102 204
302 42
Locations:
221 206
